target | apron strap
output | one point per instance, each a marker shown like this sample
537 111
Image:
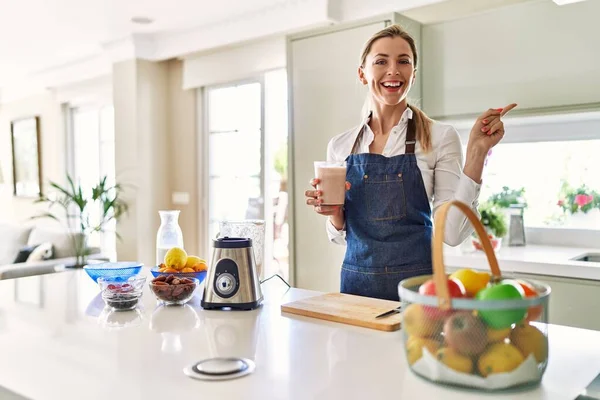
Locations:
411 136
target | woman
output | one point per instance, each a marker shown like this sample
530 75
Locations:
398 162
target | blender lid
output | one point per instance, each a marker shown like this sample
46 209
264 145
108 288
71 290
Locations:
232 243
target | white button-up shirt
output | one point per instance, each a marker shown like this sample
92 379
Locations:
441 169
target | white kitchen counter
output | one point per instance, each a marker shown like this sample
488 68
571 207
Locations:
55 344
531 259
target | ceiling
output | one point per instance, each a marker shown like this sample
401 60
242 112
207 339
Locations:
38 34
454 9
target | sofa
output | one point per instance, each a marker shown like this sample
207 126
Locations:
14 238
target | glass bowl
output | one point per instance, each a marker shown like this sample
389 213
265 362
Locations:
171 290
495 241
198 275
113 270
122 295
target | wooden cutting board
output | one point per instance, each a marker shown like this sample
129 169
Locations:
347 309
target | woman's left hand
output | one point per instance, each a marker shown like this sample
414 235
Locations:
488 129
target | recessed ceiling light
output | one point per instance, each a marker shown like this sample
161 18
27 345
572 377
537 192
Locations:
142 20
565 2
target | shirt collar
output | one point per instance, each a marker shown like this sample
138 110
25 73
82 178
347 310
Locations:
406 115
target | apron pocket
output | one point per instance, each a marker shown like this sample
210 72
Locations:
384 196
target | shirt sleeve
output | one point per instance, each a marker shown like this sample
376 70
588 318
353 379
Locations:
335 236
450 183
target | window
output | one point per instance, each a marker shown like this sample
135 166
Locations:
93 157
235 154
543 154
247 161
542 168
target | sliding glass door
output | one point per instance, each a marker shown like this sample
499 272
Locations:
246 160
235 142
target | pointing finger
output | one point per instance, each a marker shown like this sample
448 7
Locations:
506 109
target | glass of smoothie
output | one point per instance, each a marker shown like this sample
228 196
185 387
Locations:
332 181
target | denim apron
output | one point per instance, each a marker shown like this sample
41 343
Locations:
388 221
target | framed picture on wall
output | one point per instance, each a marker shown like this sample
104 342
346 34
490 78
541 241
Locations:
27 168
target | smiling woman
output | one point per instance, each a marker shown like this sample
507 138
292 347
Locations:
392 158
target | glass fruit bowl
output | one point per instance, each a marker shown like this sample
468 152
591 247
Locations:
491 337
200 275
122 295
172 290
113 270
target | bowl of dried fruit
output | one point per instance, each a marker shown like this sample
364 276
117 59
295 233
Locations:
174 290
122 295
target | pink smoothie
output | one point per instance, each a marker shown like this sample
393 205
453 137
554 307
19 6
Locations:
332 184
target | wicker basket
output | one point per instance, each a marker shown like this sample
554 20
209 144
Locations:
478 342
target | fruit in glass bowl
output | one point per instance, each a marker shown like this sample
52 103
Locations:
172 290
194 267
506 289
122 295
455 289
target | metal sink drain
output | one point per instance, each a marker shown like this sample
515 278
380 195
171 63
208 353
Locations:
220 368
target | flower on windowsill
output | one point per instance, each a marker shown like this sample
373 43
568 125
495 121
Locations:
581 199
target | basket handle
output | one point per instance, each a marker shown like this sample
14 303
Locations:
439 273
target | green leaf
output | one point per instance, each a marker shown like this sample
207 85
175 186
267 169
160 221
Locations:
71 184
46 215
61 189
493 219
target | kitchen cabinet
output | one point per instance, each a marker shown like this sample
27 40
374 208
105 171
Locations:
464 74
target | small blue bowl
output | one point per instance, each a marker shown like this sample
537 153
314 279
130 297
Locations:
113 270
198 275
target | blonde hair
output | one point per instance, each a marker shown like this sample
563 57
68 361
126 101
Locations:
422 121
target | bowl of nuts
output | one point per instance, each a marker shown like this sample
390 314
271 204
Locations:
122 295
171 290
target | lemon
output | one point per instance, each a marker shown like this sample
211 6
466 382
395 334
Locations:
498 335
455 360
415 345
498 358
176 258
193 260
472 280
530 340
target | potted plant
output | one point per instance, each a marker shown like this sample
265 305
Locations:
75 205
494 222
509 201
508 197
581 206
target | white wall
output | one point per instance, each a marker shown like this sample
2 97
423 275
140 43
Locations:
142 154
234 63
536 54
53 147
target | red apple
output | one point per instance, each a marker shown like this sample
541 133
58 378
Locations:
455 288
533 313
465 333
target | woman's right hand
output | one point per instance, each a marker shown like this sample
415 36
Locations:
335 213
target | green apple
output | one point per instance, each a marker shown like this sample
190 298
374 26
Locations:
505 290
